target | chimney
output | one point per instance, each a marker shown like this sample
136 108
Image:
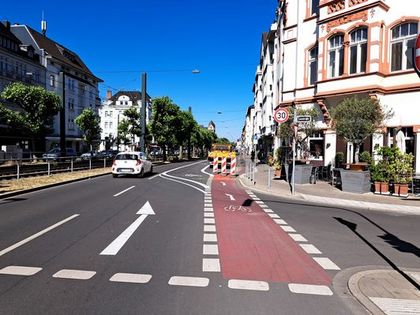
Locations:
108 94
6 24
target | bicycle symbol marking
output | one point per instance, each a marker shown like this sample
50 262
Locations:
233 208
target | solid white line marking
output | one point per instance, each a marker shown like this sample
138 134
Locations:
182 183
310 249
326 263
207 237
131 278
298 237
209 228
20 270
209 221
211 265
280 221
310 289
204 172
287 228
74 274
189 281
208 215
273 215
210 249
208 209
118 243
154 176
125 190
30 238
248 285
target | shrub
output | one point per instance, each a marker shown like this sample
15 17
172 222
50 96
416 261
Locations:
365 157
339 158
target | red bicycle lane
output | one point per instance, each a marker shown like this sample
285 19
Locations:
252 246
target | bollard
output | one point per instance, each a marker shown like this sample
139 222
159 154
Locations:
233 166
215 164
224 165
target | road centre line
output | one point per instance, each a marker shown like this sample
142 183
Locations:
310 289
30 238
248 285
74 274
125 190
20 270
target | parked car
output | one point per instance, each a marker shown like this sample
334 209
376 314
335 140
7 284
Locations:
55 154
88 155
107 154
131 163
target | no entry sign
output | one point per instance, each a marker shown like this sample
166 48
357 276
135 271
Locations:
416 56
281 115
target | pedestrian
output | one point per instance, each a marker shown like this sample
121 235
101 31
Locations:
252 156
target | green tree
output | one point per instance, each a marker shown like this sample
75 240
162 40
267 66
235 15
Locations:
133 121
355 119
184 133
123 136
165 122
89 123
33 112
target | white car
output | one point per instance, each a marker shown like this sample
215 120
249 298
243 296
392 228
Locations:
131 163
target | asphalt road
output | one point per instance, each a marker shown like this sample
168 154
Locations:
171 242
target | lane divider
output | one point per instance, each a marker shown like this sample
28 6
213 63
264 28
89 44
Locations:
211 261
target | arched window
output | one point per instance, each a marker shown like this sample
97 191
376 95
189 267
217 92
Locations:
402 45
336 56
313 65
358 50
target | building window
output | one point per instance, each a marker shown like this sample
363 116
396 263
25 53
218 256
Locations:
358 50
314 7
336 56
52 80
106 125
316 145
313 65
402 45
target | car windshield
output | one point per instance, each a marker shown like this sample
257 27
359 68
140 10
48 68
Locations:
126 156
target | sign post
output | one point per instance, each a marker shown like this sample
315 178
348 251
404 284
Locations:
416 55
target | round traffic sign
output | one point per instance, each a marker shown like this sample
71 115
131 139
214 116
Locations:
281 115
417 55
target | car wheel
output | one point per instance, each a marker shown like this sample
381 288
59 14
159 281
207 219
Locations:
141 173
115 175
151 170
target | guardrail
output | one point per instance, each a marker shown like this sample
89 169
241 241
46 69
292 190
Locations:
15 169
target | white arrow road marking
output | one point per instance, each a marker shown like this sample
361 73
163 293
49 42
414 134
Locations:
30 238
223 183
119 242
231 197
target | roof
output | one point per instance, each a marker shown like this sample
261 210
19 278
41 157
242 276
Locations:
133 95
60 52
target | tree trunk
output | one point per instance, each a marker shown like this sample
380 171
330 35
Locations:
356 152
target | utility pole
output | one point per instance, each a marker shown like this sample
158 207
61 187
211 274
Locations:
143 113
63 115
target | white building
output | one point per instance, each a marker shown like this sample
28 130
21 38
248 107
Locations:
328 50
67 76
111 114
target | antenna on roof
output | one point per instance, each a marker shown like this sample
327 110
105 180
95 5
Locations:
43 25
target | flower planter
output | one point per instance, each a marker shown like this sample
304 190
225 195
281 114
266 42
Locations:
377 187
384 188
355 181
401 189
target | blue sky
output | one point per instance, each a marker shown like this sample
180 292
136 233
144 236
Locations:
167 39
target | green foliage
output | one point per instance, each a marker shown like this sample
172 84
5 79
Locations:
365 157
339 158
222 141
394 165
89 123
132 123
34 108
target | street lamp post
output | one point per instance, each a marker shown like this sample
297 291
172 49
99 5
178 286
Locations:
143 113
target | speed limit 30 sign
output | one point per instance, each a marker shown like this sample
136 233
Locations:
281 115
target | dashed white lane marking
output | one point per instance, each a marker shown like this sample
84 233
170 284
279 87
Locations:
74 274
208 215
268 210
326 263
131 278
259 202
256 198
210 249
297 237
20 270
207 237
209 228
208 209
310 249
211 265
209 221
287 228
125 190
248 285
310 289
264 206
30 238
189 281
397 306
208 205
274 216
280 221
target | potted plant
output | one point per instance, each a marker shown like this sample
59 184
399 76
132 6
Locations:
339 159
402 167
277 169
377 176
